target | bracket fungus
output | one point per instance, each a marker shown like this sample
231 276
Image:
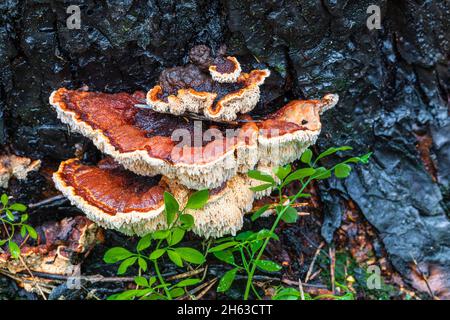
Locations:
146 142
14 166
212 86
57 248
152 150
116 198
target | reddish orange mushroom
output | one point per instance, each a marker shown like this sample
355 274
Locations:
147 142
116 198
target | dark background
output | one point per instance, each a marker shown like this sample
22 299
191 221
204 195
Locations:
393 85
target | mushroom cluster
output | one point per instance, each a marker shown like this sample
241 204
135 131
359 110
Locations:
155 149
215 87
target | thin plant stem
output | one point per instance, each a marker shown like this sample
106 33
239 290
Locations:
266 241
161 280
158 273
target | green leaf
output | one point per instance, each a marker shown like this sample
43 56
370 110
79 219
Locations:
151 281
365 158
332 150
156 254
144 292
198 199
31 231
141 281
321 173
227 280
142 264
23 231
223 246
261 187
23 218
282 172
268 265
259 212
126 295
299 174
290 215
306 156
116 254
2 242
14 249
342 170
177 236
246 236
171 207
144 242
187 221
188 282
256 245
4 199
176 292
175 257
287 294
190 255
126 264
261 176
161 234
225 256
9 215
265 233
18 207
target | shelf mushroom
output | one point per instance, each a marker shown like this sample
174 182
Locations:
57 248
214 87
196 154
118 199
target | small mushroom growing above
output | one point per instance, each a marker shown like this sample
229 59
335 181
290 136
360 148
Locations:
212 86
145 141
116 198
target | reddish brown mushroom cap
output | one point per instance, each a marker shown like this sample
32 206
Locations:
111 188
225 70
220 95
145 141
132 204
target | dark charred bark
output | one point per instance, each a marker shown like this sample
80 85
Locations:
393 85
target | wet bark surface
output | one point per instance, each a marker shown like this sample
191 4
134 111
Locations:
393 86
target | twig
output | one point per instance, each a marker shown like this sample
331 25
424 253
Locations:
47 288
32 206
315 274
424 277
204 291
300 287
33 278
186 274
295 283
332 267
46 201
197 289
92 279
311 266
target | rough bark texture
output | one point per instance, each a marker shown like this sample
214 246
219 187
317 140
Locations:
393 85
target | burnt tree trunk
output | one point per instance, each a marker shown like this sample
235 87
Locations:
393 85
